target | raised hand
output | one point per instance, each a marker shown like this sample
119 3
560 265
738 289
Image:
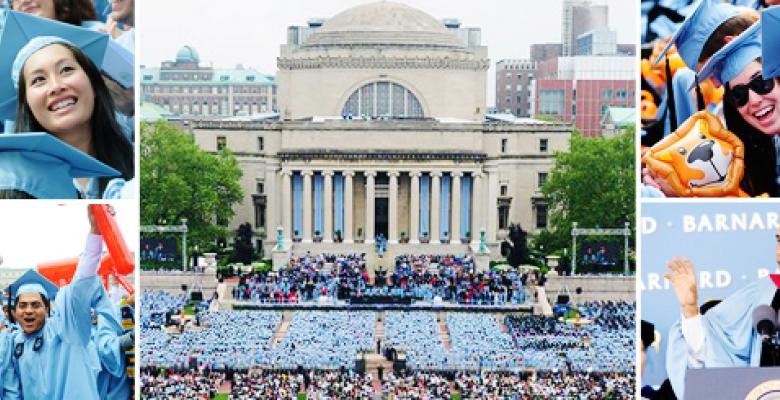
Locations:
682 276
93 226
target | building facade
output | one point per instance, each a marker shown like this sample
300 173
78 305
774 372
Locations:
579 90
395 145
515 87
186 88
580 16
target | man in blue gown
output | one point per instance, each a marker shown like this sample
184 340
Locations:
51 351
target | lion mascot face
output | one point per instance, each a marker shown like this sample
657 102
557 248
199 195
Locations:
700 159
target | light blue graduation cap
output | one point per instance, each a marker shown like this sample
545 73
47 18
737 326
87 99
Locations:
44 167
21 28
33 282
732 58
691 36
770 50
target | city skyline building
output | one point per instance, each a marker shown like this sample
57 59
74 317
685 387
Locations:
187 88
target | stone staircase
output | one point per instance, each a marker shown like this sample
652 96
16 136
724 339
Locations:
444 331
281 330
501 326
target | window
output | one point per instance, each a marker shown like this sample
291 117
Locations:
541 179
543 145
260 143
260 187
250 78
148 77
503 145
259 215
224 78
606 94
541 216
503 217
504 190
551 102
382 99
221 142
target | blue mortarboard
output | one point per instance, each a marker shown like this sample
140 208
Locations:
770 50
730 60
33 282
691 36
20 28
44 167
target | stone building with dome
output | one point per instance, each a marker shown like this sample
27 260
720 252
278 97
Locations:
186 88
382 133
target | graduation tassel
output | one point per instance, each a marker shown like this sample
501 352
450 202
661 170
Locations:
699 97
670 98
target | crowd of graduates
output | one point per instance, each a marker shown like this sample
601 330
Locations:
261 348
426 278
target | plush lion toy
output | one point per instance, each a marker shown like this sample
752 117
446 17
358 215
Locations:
700 159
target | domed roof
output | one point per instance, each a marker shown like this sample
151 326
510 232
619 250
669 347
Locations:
187 55
381 23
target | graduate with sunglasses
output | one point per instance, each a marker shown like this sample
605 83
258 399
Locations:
750 108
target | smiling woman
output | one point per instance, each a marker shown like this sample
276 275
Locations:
74 12
750 107
62 92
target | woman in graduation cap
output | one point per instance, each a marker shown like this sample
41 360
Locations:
61 91
751 104
51 353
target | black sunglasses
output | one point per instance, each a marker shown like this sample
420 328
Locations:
738 95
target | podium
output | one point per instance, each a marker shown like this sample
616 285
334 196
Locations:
733 383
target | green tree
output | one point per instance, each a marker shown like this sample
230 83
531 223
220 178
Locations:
593 184
179 180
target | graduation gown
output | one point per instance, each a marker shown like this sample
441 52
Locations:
9 381
731 340
113 382
56 363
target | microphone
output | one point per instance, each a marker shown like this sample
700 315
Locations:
765 320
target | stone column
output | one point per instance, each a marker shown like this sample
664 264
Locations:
271 193
287 205
435 206
455 208
476 208
392 207
307 205
414 208
492 205
327 205
348 206
370 189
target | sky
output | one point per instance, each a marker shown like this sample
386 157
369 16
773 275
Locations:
249 32
38 231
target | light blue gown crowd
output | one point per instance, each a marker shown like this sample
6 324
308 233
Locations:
332 339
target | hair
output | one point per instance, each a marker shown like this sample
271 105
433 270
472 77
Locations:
46 303
110 144
760 155
731 27
74 12
10 194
